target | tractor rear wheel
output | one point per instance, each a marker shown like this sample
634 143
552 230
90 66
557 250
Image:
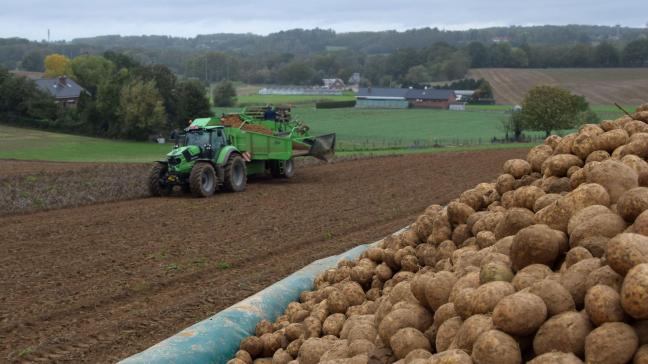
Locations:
282 169
156 177
235 174
202 180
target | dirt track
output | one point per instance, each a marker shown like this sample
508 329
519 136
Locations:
98 283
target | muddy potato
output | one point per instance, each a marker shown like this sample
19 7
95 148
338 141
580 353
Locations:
447 332
596 245
582 216
632 203
577 178
407 340
536 244
333 324
556 358
519 314
253 346
495 271
417 354
263 327
537 155
271 342
402 291
444 313
575 277
641 357
612 139
337 302
417 317
604 275
529 275
615 176
564 146
504 183
496 347
488 295
634 292
281 357
557 165
556 297
626 250
458 212
552 141
639 165
485 239
526 196
575 255
438 288
545 201
565 332
487 222
463 302
312 350
470 330
605 225
503 246
555 185
294 331
596 156
603 304
612 343
513 221
517 167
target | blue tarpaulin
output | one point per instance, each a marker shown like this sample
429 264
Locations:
216 339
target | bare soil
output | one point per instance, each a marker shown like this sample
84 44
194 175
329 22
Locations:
98 283
626 86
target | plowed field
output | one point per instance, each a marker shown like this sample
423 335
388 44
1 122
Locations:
101 282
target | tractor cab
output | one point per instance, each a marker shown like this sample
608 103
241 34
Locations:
209 140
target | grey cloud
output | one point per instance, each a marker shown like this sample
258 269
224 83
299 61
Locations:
74 18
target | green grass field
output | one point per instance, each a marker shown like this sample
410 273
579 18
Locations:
30 144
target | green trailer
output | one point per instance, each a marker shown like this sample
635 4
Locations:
219 153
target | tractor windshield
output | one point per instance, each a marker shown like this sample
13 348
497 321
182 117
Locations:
198 138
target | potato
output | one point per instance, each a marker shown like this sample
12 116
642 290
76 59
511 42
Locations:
603 304
417 317
556 184
463 302
271 343
641 357
606 225
503 246
526 196
641 328
470 280
488 295
612 343
495 271
612 139
438 288
312 350
337 302
460 234
584 215
517 167
575 255
564 146
472 198
470 330
410 263
281 357
552 141
519 314
459 212
485 239
606 276
615 176
574 278
454 356
294 346
447 332
487 222
529 275
537 155
565 332
536 244
263 327
262 361
513 221
333 324
243 356
596 156
441 229
496 347
406 340
445 312
557 214
294 331
544 201
556 358
634 292
639 165
626 250
402 291
253 346
596 245
312 326
556 297
557 165
584 144
632 203
577 178
383 272
361 346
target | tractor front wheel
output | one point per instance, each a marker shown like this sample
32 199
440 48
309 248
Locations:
156 177
235 174
202 180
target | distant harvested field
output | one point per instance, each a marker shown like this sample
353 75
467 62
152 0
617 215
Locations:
627 86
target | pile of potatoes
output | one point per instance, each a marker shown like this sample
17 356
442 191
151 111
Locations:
547 264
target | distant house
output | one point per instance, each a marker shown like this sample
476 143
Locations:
382 98
299 90
333 83
402 98
431 98
65 90
29 74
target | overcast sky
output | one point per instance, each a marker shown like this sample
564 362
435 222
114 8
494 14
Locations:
68 19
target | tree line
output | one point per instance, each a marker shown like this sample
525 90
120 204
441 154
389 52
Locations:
124 98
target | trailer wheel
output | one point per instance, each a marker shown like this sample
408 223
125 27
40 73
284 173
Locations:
202 180
282 169
235 174
156 177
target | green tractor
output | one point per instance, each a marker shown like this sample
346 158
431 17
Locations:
220 153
